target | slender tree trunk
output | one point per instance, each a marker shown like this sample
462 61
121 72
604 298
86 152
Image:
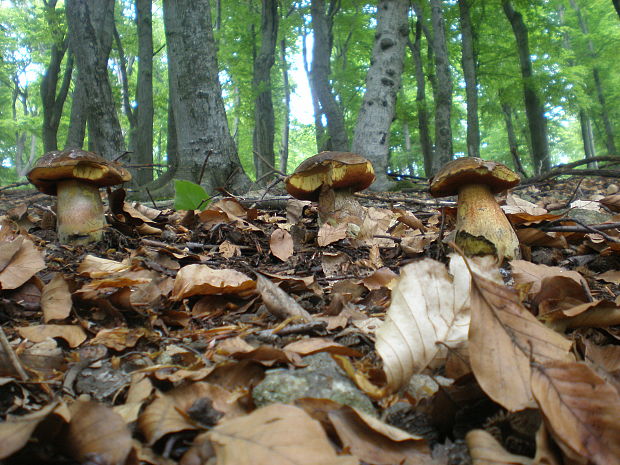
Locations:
443 100
616 6
513 144
322 22
319 128
264 120
78 116
144 92
372 131
196 95
534 108
91 29
286 125
468 61
127 108
588 137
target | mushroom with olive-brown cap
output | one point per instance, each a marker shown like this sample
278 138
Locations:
331 178
75 176
481 225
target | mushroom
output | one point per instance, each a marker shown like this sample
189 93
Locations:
331 178
481 225
75 177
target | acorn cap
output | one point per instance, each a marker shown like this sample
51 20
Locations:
75 164
337 170
472 170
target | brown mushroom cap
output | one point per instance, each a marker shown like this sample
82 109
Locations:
338 170
75 164
472 170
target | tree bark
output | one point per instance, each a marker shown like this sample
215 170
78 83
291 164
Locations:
91 30
470 74
616 6
534 108
264 120
78 116
144 92
513 144
319 128
196 95
372 131
322 22
587 136
443 99
286 124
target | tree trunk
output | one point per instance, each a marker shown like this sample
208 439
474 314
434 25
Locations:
78 116
372 130
264 120
286 124
196 95
588 137
616 6
91 30
534 108
322 22
443 100
144 92
468 61
513 144
127 108
319 128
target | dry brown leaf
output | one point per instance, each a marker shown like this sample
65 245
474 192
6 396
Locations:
318 344
98 434
8 249
612 202
547 452
56 299
485 450
95 267
536 237
281 244
24 263
202 280
278 301
525 272
516 204
278 434
329 234
16 431
504 337
73 334
595 314
611 276
607 356
581 410
119 338
373 441
228 250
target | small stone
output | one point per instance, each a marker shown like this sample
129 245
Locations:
612 189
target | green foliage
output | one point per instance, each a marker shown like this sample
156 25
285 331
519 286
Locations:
189 196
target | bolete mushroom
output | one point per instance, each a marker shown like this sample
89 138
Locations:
75 177
331 178
481 225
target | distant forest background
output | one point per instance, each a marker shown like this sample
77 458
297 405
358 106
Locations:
189 87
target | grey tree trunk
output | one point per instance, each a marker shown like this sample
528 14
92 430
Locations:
202 131
443 99
286 124
616 6
470 74
78 116
372 130
587 135
144 92
513 143
534 108
319 128
91 29
127 108
322 22
264 120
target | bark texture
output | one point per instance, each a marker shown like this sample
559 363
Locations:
196 96
443 97
616 6
534 109
144 92
372 131
468 61
78 116
91 30
286 124
264 120
322 22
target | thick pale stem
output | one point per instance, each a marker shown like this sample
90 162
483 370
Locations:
338 206
481 225
79 212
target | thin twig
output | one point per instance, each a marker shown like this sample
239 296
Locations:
8 350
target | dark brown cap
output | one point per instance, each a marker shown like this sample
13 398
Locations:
472 170
337 170
75 164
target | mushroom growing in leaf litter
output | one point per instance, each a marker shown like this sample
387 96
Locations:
75 176
331 178
481 225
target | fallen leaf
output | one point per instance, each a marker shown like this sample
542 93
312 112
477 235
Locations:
23 265
118 338
485 450
8 249
525 272
281 244
278 302
56 300
73 334
314 345
611 276
329 234
16 431
95 267
202 280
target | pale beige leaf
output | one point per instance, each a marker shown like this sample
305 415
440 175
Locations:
202 280
278 302
504 338
328 234
73 334
581 410
56 299
281 244
15 431
485 450
8 249
525 272
98 434
278 434
95 267
24 264
611 276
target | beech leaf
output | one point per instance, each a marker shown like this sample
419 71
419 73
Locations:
485 450
56 299
281 244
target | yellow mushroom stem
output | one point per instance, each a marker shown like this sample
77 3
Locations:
79 212
339 205
481 225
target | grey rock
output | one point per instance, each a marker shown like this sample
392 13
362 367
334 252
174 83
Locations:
588 216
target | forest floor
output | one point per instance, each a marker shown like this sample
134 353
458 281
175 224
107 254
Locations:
246 334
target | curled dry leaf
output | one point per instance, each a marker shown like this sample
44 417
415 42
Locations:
97 434
73 334
582 411
281 244
15 431
278 302
56 299
485 450
95 267
202 280
24 262
329 234
504 337
525 272
278 434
